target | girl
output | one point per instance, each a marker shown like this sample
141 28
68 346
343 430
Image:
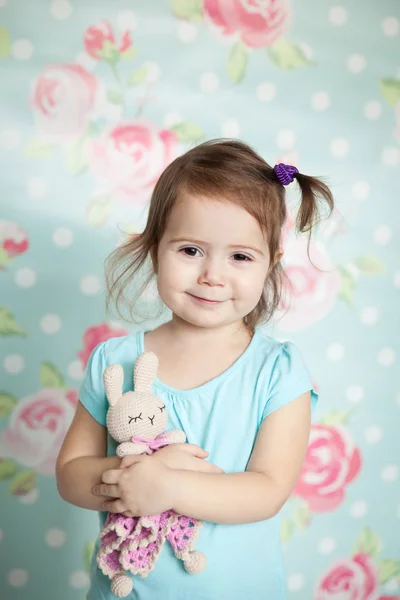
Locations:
243 399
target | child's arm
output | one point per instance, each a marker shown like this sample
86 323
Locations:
82 461
271 474
255 495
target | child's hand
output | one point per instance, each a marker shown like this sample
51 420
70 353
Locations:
142 489
188 457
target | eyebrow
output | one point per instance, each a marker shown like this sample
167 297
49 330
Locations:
200 243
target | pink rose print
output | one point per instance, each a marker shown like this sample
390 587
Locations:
62 99
331 463
257 23
94 335
353 578
13 239
311 293
96 35
131 156
37 427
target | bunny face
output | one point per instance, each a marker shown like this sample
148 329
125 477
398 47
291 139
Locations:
137 414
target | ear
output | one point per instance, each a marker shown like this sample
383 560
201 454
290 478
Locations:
279 255
145 372
113 378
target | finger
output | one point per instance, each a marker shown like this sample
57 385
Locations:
127 461
111 476
103 489
193 450
114 506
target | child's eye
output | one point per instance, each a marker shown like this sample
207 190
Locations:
190 251
162 408
239 257
135 418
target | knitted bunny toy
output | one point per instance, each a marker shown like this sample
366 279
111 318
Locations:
137 421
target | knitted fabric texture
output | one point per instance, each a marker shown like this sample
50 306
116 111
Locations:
132 544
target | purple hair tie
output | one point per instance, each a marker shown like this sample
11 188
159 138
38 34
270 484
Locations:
285 173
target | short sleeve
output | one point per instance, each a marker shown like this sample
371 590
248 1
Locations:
290 378
91 393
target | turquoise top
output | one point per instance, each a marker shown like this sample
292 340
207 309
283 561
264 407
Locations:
222 416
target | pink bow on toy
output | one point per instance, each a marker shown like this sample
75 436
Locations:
156 444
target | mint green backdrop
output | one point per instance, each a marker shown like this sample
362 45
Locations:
96 98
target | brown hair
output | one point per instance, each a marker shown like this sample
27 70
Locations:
229 171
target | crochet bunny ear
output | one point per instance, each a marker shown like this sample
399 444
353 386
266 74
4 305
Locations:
145 372
113 378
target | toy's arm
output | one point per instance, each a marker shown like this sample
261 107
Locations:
129 449
175 436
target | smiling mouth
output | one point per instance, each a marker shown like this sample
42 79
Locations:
205 300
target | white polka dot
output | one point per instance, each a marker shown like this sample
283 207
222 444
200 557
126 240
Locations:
87 62
361 190
209 82
153 71
63 237
61 9
230 129
320 101
369 315
75 370
396 279
373 434
339 147
390 473
55 538
338 15
295 582
386 357
14 364
355 393
266 91
390 26
79 580
356 63
373 110
91 285
17 577
29 498
22 49
126 20
37 187
382 235
391 156
25 277
172 118
50 323
286 139
10 138
308 51
358 509
392 586
326 546
187 32
335 351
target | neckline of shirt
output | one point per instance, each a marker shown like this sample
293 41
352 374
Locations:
208 384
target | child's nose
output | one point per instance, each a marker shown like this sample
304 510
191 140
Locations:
212 272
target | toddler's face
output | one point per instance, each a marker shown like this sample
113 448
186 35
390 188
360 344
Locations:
212 262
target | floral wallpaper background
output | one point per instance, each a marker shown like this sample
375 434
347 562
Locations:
96 99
